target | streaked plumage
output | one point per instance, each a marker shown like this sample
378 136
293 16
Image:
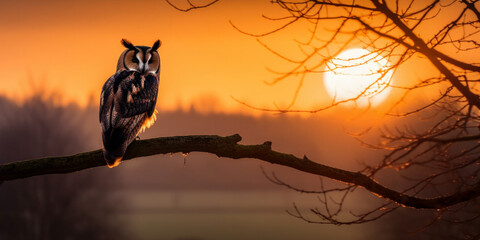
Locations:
128 99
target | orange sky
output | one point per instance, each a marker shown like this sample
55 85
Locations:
73 47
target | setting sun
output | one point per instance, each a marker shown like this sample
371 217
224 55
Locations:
358 75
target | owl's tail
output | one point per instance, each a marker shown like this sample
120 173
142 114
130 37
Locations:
111 158
114 147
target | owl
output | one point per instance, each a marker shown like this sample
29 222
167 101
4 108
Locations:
128 99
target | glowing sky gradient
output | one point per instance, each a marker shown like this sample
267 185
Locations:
72 47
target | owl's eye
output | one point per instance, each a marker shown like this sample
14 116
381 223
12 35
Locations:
135 60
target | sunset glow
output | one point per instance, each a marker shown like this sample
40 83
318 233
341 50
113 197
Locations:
205 61
72 49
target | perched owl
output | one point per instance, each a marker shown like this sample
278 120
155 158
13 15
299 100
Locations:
128 99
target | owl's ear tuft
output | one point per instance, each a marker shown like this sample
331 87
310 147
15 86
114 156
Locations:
156 45
128 44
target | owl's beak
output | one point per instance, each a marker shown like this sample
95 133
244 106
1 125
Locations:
145 69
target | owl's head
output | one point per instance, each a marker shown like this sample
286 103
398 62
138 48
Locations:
140 58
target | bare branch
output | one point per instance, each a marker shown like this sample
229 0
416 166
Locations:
191 5
472 98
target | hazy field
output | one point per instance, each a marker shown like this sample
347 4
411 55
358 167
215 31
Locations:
235 215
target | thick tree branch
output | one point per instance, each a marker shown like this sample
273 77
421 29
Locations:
224 147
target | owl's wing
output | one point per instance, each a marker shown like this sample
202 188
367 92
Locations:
118 131
106 100
108 94
137 94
